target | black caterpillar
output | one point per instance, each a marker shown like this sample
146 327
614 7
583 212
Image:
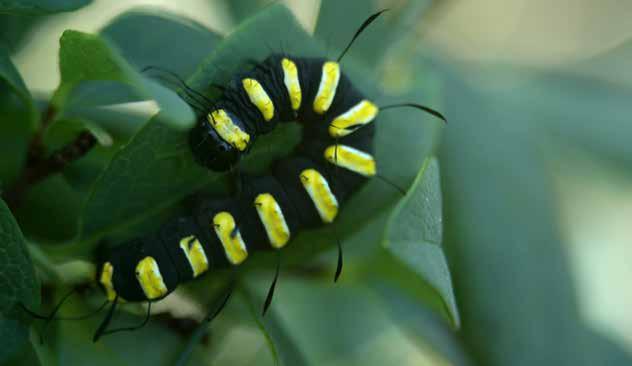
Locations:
332 161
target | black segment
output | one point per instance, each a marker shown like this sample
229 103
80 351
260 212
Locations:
125 258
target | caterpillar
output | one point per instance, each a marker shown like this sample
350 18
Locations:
333 160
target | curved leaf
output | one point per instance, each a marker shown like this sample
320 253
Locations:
17 285
88 66
142 35
415 232
510 269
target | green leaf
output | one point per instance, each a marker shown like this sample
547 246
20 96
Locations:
17 285
15 131
15 29
584 112
424 326
89 66
10 76
244 9
502 236
53 197
415 232
340 324
25 356
141 36
40 7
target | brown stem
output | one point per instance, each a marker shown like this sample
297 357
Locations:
38 168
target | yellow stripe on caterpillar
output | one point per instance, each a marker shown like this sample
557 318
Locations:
327 88
321 195
259 97
273 220
228 130
230 237
150 279
194 252
106 280
291 81
352 159
357 116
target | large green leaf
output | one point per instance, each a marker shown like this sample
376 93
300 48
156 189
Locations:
40 7
142 37
93 73
17 285
511 275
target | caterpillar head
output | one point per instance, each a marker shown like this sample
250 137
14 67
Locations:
210 149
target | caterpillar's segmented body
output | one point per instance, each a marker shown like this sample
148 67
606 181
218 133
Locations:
305 190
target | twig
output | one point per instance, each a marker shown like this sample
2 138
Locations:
38 168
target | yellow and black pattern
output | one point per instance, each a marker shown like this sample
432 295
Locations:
304 191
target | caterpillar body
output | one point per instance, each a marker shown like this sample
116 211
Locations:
302 191
333 160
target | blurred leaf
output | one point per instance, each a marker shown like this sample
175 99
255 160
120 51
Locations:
415 232
40 7
15 132
511 274
424 326
338 21
25 357
88 63
9 75
585 112
17 285
244 9
141 36
19 116
610 66
340 325
153 344
53 197
15 28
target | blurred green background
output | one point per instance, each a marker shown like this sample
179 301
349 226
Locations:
535 184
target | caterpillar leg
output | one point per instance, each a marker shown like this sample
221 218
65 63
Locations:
270 294
220 303
102 330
